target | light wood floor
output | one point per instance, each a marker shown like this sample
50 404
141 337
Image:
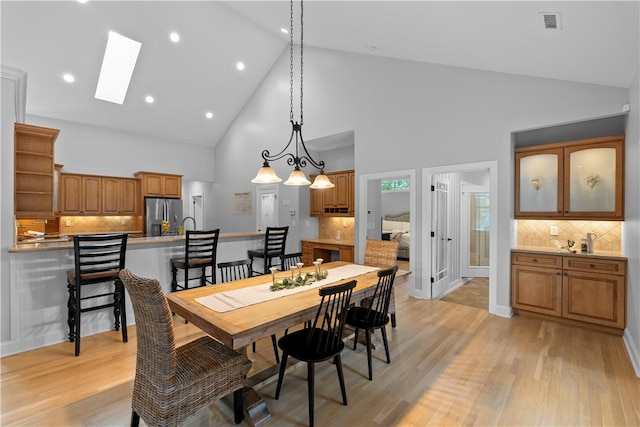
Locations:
451 365
474 293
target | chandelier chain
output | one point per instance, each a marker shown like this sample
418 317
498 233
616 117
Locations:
301 57
291 64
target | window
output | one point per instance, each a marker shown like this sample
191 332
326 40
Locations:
395 185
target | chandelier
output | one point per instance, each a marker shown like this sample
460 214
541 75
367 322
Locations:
266 174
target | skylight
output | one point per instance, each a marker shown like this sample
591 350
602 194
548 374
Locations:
119 61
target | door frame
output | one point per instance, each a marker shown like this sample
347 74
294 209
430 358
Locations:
362 219
427 174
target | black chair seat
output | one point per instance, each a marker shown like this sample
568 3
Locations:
307 344
362 317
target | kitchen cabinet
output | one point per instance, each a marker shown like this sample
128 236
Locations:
323 248
336 201
578 289
160 185
120 196
572 180
34 171
80 194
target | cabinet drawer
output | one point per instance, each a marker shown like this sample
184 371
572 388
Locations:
538 260
594 264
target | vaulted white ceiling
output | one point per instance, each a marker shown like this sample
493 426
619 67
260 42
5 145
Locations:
598 44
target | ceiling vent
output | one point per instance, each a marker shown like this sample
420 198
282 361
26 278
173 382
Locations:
551 20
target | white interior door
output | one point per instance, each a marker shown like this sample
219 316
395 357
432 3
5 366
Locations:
266 207
440 247
475 224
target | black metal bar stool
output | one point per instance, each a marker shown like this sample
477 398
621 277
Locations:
200 252
98 259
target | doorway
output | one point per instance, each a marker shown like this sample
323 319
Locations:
454 217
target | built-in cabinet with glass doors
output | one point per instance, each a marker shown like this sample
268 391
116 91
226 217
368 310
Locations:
573 180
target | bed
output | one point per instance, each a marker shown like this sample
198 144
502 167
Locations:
396 227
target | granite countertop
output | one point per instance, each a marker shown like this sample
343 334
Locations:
555 251
330 242
61 243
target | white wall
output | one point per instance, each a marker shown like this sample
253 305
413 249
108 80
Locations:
631 227
408 115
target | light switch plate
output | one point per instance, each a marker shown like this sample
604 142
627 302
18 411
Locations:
553 230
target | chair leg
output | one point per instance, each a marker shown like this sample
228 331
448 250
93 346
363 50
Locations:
368 335
71 311
135 419
310 386
253 346
203 277
393 320
116 305
238 414
386 343
283 365
275 347
77 320
337 360
123 312
174 280
355 338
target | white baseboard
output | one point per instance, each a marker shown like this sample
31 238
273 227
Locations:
632 349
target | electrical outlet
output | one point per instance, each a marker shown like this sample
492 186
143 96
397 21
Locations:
123 222
67 223
553 230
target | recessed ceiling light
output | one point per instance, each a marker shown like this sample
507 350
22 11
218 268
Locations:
82 1
284 30
69 78
174 37
240 66
149 99
209 115
118 63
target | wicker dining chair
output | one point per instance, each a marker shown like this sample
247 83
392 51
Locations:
172 383
383 254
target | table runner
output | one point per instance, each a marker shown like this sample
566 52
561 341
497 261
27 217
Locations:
238 298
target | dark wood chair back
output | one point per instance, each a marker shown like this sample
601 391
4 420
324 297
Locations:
291 260
235 270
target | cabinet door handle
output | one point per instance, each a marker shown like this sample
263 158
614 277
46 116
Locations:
558 273
592 266
565 273
535 260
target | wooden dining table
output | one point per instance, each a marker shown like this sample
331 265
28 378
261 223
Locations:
239 327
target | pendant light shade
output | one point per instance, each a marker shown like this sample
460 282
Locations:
322 181
297 177
266 175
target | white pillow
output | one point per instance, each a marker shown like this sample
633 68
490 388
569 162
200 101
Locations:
406 226
389 225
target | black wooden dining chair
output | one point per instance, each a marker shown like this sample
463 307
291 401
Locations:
98 260
275 240
291 260
238 270
200 253
375 314
322 341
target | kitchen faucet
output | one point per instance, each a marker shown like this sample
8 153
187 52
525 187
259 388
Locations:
192 219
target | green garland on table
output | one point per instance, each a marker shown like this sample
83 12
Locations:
307 279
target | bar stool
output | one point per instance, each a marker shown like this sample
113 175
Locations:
98 259
275 241
200 252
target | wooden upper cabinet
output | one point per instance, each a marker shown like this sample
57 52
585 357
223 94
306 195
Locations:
160 185
119 196
336 201
578 180
80 194
34 171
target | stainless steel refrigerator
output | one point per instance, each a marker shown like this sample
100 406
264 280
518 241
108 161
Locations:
162 216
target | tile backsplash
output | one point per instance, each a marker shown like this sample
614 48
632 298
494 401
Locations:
331 227
537 233
96 224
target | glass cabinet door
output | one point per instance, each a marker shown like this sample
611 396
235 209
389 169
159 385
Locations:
539 188
593 182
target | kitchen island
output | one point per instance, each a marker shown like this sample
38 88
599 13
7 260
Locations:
38 285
